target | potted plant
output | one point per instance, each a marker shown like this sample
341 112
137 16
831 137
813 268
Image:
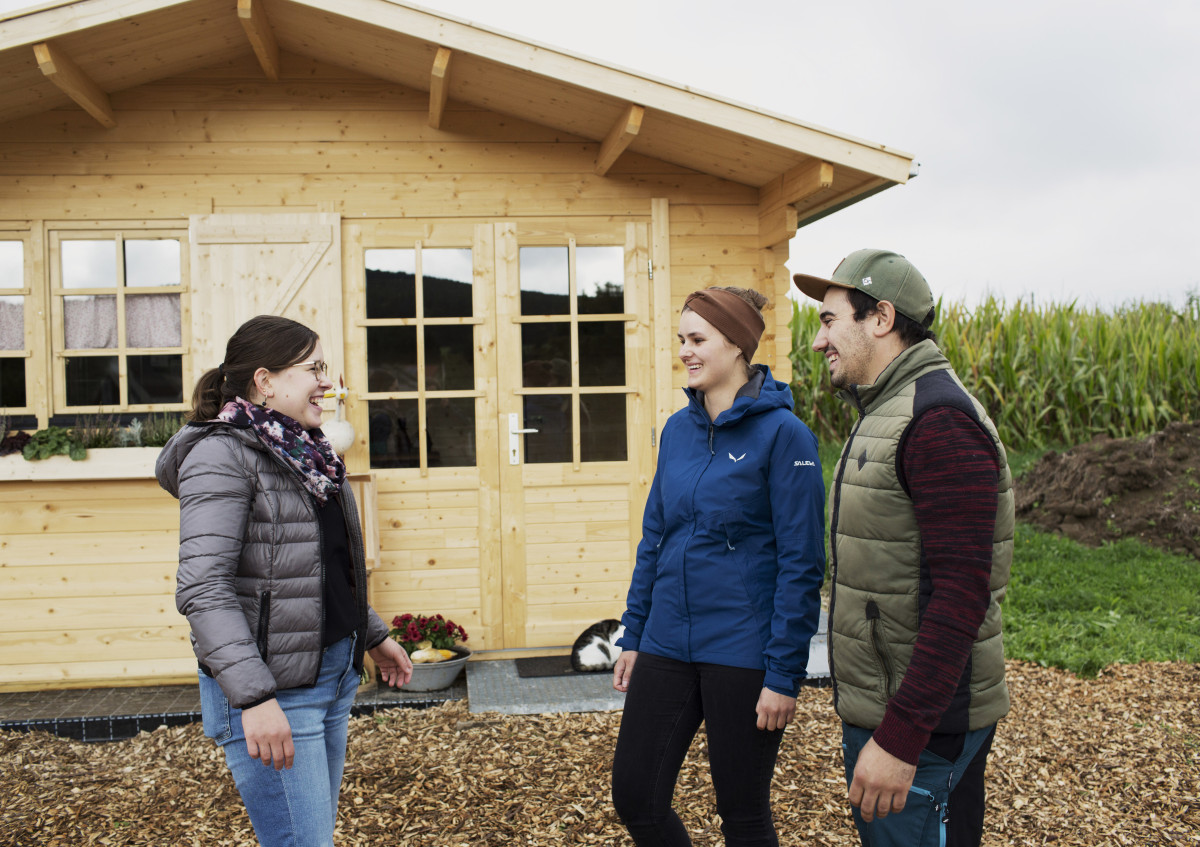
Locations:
435 646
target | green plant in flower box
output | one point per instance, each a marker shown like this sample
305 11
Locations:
53 441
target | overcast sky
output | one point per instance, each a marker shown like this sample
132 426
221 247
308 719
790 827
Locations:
1058 139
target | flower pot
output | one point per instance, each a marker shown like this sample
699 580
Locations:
434 676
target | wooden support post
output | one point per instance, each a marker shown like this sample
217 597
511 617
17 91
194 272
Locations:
253 16
619 138
439 87
68 76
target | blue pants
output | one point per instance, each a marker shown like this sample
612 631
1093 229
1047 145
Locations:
297 806
937 787
666 702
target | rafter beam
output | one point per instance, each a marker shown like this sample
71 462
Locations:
619 138
778 215
68 76
253 16
801 184
439 87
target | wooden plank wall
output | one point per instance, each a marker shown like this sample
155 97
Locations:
85 606
87 585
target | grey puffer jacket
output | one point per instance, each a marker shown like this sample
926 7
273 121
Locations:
251 574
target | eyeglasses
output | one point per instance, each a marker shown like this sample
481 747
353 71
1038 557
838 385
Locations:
318 366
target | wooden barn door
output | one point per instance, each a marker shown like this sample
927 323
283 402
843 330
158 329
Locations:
575 377
250 264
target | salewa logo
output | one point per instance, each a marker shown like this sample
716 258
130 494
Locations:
866 281
804 463
737 459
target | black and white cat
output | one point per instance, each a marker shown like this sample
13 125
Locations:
596 647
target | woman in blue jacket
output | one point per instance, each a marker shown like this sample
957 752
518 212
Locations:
725 591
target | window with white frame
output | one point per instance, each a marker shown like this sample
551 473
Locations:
116 311
14 334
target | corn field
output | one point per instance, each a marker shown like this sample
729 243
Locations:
1051 375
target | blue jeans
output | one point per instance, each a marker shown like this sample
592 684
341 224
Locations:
297 806
922 823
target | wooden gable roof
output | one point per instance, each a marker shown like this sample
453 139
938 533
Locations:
80 52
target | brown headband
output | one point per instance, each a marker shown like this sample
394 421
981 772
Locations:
736 319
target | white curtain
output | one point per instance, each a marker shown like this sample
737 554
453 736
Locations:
12 323
151 320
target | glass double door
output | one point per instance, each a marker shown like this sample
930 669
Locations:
513 360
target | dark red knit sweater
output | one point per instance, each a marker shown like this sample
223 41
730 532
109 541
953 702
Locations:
951 467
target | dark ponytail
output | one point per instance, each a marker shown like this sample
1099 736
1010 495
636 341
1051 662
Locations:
266 341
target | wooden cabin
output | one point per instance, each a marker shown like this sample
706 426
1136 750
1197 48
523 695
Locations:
493 237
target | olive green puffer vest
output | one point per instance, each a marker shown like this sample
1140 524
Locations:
876 553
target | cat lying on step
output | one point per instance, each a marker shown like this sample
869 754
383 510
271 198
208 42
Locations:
596 647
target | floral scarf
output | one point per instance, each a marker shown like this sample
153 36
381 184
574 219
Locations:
320 469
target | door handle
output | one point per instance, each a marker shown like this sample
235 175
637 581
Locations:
514 440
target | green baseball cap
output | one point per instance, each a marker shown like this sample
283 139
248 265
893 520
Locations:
881 274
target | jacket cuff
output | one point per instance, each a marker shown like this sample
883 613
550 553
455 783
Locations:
788 686
901 740
377 630
258 702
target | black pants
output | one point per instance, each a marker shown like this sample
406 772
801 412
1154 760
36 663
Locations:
965 827
665 704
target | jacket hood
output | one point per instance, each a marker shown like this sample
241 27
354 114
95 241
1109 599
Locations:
176 451
771 394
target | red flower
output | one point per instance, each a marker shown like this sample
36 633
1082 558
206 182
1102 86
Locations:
410 630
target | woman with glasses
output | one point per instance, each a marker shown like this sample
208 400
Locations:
272 578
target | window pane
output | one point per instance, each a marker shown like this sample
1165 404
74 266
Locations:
12 383
12 323
600 279
155 379
152 262
451 425
153 320
550 415
446 277
546 354
392 430
449 359
92 381
602 353
90 322
89 264
12 264
602 428
545 281
392 358
391 283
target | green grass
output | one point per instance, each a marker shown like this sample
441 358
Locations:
1080 609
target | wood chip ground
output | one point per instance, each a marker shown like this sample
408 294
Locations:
1109 761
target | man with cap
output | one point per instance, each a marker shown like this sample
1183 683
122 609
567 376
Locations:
921 539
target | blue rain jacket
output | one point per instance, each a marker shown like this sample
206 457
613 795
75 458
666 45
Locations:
732 555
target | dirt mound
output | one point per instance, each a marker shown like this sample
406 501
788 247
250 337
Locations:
1147 488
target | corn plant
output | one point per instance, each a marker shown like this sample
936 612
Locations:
1054 374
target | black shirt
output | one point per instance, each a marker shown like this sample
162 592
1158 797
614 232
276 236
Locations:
341 607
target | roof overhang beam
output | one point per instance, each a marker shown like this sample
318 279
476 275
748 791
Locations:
777 215
61 70
439 87
619 138
253 16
